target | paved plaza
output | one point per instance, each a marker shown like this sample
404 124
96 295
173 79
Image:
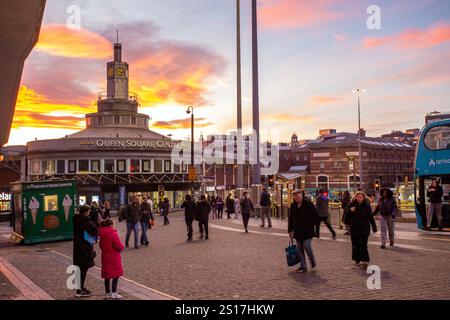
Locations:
233 265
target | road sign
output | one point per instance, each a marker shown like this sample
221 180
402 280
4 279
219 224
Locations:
192 174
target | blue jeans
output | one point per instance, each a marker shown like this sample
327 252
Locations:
303 246
135 228
144 238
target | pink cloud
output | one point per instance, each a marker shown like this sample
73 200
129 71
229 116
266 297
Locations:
412 39
293 14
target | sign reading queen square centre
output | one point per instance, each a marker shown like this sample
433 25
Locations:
132 144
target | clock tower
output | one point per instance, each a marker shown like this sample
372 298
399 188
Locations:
117 73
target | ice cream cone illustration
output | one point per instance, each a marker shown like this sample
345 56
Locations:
67 204
34 206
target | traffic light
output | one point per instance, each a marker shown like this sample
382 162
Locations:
377 185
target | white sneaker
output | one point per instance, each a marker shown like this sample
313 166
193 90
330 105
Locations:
108 296
116 296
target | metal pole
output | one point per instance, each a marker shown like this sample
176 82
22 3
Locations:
256 167
240 169
359 143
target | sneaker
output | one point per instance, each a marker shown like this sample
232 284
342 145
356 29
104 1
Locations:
108 296
189 240
78 293
116 296
313 266
383 247
246 230
262 226
270 227
201 237
206 238
136 247
302 270
392 243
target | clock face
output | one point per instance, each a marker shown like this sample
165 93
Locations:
120 72
110 72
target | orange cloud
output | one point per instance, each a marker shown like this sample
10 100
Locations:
293 14
58 40
181 124
286 117
412 39
324 100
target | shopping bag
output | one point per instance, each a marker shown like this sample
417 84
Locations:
89 238
292 254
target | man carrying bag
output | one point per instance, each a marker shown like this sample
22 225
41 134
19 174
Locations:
303 218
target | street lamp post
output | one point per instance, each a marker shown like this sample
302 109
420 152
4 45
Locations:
190 111
358 92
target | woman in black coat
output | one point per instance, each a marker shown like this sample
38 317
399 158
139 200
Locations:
189 215
360 219
83 251
202 216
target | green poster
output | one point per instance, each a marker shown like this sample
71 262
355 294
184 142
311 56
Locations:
48 209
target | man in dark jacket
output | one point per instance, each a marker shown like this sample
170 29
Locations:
387 207
246 207
202 216
83 251
189 214
265 204
435 193
229 204
166 208
303 218
322 207
132 215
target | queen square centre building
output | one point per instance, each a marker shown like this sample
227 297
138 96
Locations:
116 156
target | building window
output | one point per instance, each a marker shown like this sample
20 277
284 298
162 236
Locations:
184 167
72 166
125 120
109 166
167 166
133 120
322 165
135 165
121 166
351 181
95 166
146 166
61 167
48 167
83 166
116 119
158 166
323 182
176 167
35 167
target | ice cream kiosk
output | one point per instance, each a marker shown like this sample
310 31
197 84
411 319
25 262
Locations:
43 211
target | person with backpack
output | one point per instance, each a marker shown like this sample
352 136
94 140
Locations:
388 209
322 207
360 218
302 221
83 250
265 204
111 248
246 207
202 216
189 215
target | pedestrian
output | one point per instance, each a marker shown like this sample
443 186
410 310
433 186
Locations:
345 201
434 194
161 207
83 251
246 207
303 219
166 208
236 206
150 203
111 247
322 207
219 204
265 204
132 214
229 204
106 210
212 203
146 218
189 215
388 209
95 214
360 218
202 216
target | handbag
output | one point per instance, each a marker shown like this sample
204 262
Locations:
89 238
292 257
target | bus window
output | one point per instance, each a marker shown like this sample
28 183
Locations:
438 138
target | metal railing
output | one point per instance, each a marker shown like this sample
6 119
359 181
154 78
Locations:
130 96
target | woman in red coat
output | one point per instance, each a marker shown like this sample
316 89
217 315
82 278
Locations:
111 260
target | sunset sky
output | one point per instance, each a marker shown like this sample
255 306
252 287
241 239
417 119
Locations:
182 52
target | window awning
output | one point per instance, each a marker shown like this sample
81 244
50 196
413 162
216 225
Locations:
288 176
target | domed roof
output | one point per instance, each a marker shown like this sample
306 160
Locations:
116 132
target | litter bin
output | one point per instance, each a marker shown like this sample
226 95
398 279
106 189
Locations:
43 211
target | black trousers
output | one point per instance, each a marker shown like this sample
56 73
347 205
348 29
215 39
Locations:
327 223
219 213
115 281
203 226
245 218
360 251
166 219
190 230
83 274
